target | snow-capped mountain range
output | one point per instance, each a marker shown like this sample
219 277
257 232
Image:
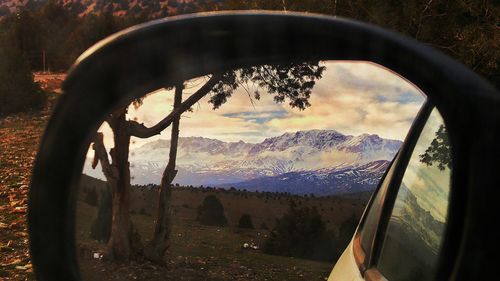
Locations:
352 179
324 160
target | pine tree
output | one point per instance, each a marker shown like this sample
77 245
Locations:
211 212
301 232
245 221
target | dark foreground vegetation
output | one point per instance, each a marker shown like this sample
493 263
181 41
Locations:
18 91
223 234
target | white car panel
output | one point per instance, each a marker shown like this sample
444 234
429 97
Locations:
346 268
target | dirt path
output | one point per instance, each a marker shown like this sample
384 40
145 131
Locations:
50 82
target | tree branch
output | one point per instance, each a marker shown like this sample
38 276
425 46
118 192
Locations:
141 131
170 172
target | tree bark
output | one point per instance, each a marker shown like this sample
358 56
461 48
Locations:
157 247
119 244
102 230
101 155
117 175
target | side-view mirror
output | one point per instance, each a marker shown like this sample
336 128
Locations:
143 198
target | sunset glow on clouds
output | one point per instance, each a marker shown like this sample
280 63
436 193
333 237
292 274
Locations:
352 98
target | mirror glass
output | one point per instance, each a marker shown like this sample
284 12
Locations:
419 216
264 176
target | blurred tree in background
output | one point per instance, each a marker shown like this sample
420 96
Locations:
468 31
18 91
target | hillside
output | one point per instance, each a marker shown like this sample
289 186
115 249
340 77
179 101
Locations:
200 252
265 207
351 179
152 9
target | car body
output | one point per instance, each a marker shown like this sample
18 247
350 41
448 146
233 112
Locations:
407 215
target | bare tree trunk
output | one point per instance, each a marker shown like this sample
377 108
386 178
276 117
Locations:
120 245
101 228
118 177
157 247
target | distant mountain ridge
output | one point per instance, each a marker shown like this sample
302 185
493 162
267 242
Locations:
327 160
152 9
353 179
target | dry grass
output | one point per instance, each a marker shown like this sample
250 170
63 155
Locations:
201 252
19 139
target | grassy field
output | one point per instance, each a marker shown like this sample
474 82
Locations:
200 252
264 208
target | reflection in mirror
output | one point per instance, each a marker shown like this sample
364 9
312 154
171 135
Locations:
418 219
259 173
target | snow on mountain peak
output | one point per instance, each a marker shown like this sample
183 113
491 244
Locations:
211 162
322 161
317 139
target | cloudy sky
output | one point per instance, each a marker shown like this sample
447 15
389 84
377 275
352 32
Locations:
352 98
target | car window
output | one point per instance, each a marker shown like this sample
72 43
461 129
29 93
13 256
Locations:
416 226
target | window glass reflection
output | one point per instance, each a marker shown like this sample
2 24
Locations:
416 227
